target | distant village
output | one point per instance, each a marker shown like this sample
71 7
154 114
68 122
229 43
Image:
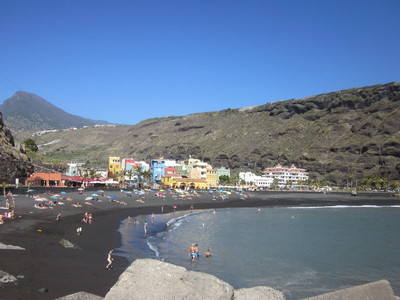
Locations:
192 173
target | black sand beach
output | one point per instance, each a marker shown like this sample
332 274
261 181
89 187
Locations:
52 271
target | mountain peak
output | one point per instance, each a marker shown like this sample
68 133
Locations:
28 111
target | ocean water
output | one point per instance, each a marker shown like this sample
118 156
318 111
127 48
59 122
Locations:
299 251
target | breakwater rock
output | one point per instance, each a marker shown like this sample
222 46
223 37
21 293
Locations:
153 279
149 279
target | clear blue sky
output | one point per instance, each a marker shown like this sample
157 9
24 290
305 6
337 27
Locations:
126 61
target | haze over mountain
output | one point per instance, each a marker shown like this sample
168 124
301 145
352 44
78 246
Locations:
27 111
340 136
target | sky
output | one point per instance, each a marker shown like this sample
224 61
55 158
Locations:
127 61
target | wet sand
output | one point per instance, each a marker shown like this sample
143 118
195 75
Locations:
45 264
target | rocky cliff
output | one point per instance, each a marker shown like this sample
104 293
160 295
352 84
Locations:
339 136
13 163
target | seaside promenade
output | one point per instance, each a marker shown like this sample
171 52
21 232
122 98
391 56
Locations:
47 270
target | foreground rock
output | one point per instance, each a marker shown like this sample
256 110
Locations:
258 293
153 279
6 278
10 247
81 296
378 290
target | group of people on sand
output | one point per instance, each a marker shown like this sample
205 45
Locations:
87 218
10 207
194 252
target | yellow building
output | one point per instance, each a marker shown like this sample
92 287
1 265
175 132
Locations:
114 166
177 182
212 177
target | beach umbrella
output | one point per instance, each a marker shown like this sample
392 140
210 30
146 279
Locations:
63 193
88 198
94 195
81 189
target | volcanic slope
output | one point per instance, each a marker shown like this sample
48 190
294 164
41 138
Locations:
338 136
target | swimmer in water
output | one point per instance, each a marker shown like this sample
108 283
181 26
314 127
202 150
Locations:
208 253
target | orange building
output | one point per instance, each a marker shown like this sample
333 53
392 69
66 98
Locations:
46 179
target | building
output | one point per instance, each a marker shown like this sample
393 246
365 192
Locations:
259 181
179 182
114 166
46 179
73 169
223 172
286 176
212 177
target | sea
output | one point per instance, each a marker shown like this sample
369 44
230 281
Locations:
301 251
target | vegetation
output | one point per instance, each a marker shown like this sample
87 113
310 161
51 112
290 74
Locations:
30 145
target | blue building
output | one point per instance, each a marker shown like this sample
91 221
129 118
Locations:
157 170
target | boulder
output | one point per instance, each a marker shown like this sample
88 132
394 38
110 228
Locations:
81 296
10 247
378 290
258 293
153 279
67 244
6 278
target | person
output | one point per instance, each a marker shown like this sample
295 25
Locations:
129 220
58 217
10 200
194 252
208 253
109 259
145 227
79 230
152 218
90 218
85 217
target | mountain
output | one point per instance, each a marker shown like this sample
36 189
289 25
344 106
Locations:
27 111
339 136
13 163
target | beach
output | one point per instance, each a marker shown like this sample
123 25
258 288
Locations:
49 270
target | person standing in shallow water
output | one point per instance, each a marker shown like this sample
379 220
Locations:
109 259
145 227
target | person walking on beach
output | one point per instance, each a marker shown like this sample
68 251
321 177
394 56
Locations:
109 259
79 230
152 218
58 217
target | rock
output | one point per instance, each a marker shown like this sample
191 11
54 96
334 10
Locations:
258 293
153 279
10 247
67 244
14 163
378 290
6 277
43 290
81 296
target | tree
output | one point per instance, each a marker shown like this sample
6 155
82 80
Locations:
30 145
224 179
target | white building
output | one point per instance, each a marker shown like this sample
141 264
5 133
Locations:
252 179
73 169
286 176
